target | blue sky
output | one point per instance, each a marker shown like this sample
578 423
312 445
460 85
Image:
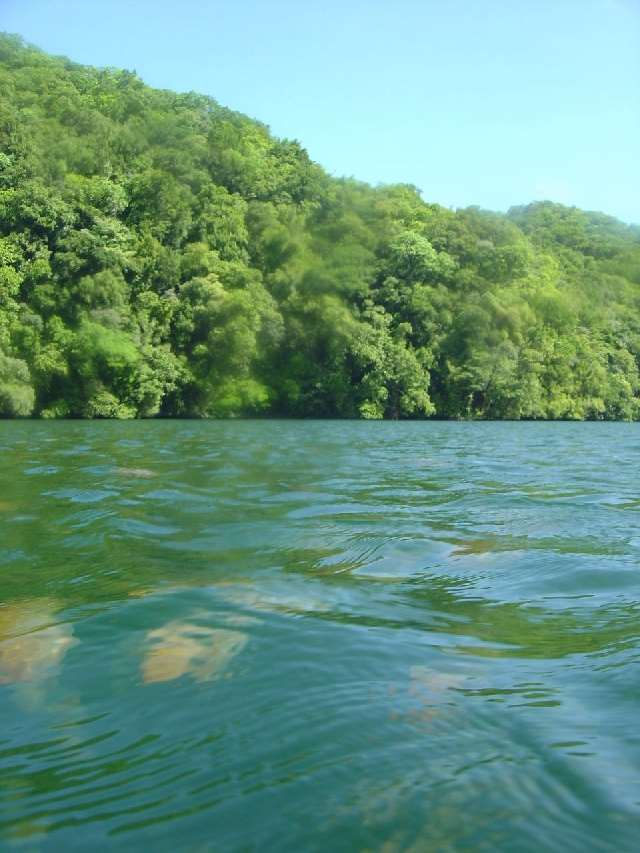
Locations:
488 102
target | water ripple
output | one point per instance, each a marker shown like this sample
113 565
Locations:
319 636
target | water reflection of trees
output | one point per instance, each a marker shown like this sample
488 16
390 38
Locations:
33 642
517 629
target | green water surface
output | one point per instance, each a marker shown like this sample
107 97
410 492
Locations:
319 636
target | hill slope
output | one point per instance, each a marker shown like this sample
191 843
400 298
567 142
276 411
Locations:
160 254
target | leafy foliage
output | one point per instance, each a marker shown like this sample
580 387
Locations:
163 255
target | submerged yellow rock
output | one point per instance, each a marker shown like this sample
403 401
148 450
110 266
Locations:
183 648
141 473
31 648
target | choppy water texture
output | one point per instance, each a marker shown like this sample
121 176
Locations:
319 636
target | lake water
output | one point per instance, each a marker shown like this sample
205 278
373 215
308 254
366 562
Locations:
323 636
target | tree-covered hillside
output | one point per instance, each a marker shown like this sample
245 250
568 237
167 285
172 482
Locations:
163 255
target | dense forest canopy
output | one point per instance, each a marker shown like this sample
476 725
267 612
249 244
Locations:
163 255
